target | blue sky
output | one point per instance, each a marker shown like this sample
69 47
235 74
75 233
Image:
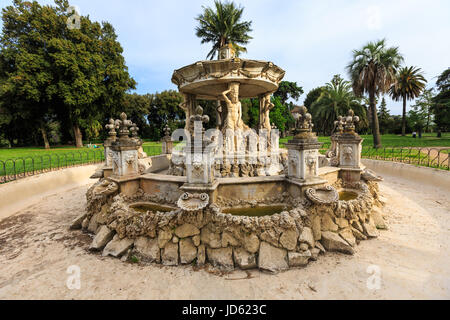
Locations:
311 40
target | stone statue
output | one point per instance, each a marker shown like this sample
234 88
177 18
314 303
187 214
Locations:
233 120
265 106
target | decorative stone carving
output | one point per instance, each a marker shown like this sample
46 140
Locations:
123 153
233 120
370 175
204 78
193 202
167 144
303 154
106 188
325 195
265 105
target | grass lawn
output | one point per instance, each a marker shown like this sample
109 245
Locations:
392 140
37 159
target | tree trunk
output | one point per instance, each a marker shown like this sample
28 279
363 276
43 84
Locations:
44 136
404 117
375 124
78 136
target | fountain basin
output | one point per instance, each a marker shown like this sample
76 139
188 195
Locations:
348 195
257 211
144 207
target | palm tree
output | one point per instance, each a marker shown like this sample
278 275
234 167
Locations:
335 100
373 71
409 85
223 26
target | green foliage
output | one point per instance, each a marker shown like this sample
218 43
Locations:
384 117
409 84
312 97
288 90
250 112
164 110
441 102
222 25
372 71
48 70
280 115
336 100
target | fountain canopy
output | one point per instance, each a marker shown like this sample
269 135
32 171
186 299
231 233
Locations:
208 79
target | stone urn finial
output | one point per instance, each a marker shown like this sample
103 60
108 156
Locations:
111 126
134 130
167 131
304 124
350 121
339 125
199 116
124 124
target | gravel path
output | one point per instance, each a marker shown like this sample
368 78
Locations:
412 257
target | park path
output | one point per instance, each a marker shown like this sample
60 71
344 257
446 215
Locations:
413 258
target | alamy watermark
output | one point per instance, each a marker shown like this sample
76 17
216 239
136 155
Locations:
73 281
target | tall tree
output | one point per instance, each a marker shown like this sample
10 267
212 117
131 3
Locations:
424 105
164 109
312 97
384 117
409 85
76 73
223 25
441 102
336 100
288 90
373 71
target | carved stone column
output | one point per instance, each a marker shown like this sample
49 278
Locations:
111 126
199 158
167 143
303 150
124 151
349 150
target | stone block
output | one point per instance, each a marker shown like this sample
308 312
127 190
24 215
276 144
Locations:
188 251
243 259
103 236
148 249
117 247
271 258
333 242
221 258
169 255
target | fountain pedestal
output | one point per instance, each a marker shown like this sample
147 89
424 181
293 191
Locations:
167 143
200 159
349 147
124 151
303 150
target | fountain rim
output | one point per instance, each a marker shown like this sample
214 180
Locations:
257 77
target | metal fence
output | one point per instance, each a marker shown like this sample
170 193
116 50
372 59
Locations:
18 168
421 156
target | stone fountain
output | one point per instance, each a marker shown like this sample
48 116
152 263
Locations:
230 197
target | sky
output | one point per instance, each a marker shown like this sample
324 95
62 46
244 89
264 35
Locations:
311 40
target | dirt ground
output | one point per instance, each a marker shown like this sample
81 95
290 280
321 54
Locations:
411 259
